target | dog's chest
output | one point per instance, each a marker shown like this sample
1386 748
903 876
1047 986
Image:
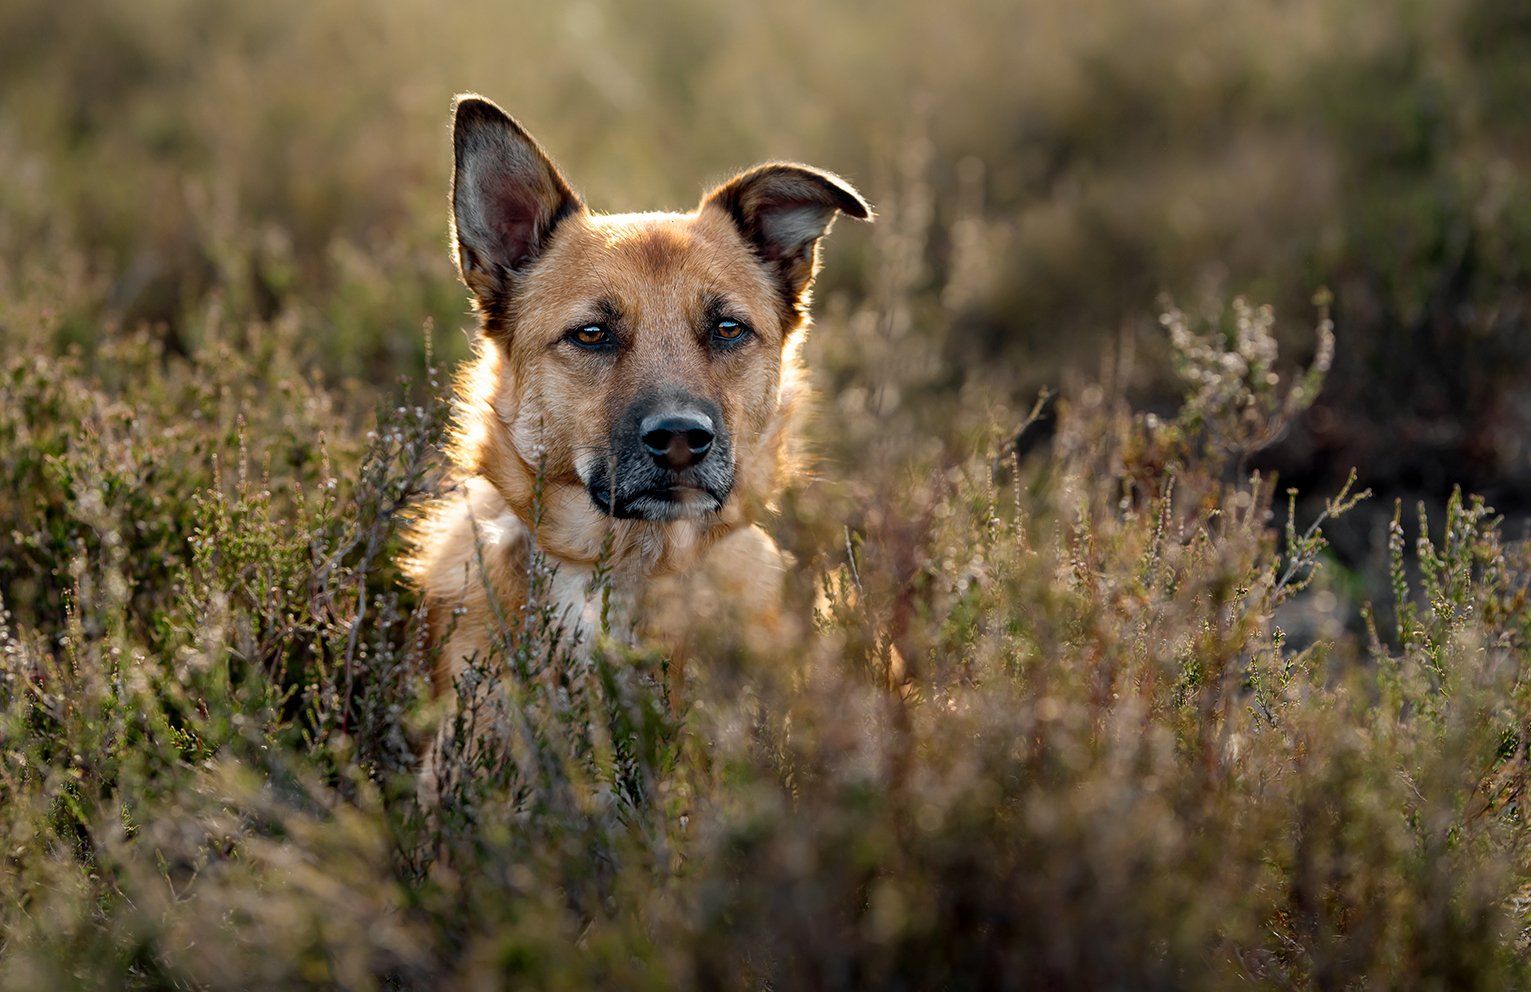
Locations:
588 604
737 580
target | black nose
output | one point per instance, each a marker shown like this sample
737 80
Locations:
676 440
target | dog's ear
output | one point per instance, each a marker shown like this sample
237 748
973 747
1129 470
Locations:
507 197
783 210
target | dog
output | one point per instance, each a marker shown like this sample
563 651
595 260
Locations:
631 409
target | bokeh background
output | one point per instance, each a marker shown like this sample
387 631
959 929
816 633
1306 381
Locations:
1047 171
1144 727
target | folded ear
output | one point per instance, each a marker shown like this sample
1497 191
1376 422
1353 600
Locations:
507 197
783 210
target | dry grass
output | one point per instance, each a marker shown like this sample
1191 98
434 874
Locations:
1155 732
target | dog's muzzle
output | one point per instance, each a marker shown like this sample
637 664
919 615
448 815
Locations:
669 458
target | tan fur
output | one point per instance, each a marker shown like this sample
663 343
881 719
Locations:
532 411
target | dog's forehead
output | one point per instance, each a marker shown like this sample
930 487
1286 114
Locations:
632 259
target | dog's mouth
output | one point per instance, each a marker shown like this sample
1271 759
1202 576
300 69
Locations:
638 478
675 501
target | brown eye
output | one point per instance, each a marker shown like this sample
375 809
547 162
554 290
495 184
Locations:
729 331
592 336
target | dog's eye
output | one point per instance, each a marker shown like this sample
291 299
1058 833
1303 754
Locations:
592 336
729 331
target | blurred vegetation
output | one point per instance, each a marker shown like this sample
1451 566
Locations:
1160 725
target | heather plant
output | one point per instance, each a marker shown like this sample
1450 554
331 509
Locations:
1058 737
1137 687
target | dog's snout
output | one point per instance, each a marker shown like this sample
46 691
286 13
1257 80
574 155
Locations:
676 440
670 458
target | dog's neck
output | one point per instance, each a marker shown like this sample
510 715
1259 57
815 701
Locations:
571 529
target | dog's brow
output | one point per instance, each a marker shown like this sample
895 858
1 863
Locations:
717 305
602 310
713 306
608 309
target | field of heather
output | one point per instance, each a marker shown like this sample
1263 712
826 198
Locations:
1162 565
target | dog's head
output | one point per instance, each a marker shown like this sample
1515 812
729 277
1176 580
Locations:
640 359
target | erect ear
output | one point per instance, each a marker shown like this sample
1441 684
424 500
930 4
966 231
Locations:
507 197
783 210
